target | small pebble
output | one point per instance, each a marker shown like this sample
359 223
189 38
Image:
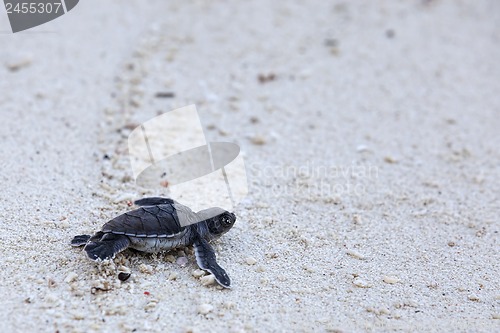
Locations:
390 279
131 126
151 305
389 33
362 148
14 66
495 316
198 273
251 261
390 160
172 276
78 293
205 309
63 225
433 285
380 311
473 298
78 315
72 276
10 259
51 283
383 311
170 258
264 78
166 94
147 269
412 303
260 269
134 103
123 269
123 276
207 280
360 283
182 261
228 305
115 309
309 268
99 285
51 298
356 255
258 140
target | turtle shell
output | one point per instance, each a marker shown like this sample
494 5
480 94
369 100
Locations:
159 221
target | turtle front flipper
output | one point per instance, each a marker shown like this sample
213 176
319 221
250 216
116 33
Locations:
205 257
107 246
80 240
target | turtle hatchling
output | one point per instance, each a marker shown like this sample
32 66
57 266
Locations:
162 224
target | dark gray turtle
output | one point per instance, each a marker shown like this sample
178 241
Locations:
162 224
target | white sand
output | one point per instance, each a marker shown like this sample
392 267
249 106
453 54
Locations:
372 164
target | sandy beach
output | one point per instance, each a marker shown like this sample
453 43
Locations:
370 133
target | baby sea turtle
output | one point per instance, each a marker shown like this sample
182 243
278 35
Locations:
162 224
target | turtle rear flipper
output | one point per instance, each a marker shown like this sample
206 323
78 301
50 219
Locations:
107 247
205 257
153 201
80 240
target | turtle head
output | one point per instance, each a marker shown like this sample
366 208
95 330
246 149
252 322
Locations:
217 220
